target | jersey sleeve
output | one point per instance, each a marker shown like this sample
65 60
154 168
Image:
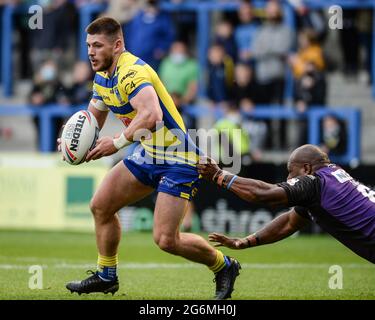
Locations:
97 100
132 79
302 191
303 212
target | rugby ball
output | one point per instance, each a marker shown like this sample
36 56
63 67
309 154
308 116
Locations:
79 136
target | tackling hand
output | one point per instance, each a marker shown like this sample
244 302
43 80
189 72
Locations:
104 147
207 167
232 243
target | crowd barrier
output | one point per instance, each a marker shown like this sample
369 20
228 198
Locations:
352 117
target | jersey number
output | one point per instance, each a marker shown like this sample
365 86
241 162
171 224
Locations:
129 87
366 192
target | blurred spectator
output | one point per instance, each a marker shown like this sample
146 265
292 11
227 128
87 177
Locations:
310 90
334 136
57 38
189 119
185 23
271 46
220 75
256 129
47 89
81 3
23 43
364 21
349 41
224 37
81 90
234 140
124 11
244 84
308 18
179 73
309 50
150 34
245 32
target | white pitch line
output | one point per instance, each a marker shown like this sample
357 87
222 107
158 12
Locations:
65 265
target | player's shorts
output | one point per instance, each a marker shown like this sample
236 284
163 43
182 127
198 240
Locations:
179 180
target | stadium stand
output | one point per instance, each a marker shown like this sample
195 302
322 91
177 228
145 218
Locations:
341 92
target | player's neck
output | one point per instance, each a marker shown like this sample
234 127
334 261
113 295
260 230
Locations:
110 72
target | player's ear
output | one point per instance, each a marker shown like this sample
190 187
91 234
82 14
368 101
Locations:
307 168
119 46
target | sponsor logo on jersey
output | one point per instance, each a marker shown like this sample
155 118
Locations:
130 74
341 175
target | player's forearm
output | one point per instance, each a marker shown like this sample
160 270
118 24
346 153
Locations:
274 231
100 116
250 189
247 189
142 125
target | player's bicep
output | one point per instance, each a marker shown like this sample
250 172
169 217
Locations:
296 220
274 196
146 103
100 115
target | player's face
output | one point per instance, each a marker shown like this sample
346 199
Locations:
100 51
297 169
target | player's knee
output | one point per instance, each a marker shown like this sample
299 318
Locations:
167 243
98 210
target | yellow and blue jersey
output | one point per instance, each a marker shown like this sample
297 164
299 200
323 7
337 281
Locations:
173 154
168 142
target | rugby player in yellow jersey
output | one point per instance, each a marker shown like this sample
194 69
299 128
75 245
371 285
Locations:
165 160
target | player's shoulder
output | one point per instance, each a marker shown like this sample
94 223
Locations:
100 77
301 179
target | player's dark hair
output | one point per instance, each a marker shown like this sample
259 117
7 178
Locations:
107 26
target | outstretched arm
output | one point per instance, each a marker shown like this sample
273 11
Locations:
248 189
279 228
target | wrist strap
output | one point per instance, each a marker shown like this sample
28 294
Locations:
231 181
252 236
121 142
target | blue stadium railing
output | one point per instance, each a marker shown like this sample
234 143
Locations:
351 116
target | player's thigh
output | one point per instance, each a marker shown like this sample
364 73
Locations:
118 189
168 215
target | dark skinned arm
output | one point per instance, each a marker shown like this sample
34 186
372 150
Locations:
279 228
255 191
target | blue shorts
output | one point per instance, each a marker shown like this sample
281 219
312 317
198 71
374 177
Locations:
179 180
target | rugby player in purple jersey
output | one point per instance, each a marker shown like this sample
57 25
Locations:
317 190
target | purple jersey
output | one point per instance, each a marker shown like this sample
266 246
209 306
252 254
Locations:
341 206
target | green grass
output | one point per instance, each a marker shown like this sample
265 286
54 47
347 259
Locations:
296 268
